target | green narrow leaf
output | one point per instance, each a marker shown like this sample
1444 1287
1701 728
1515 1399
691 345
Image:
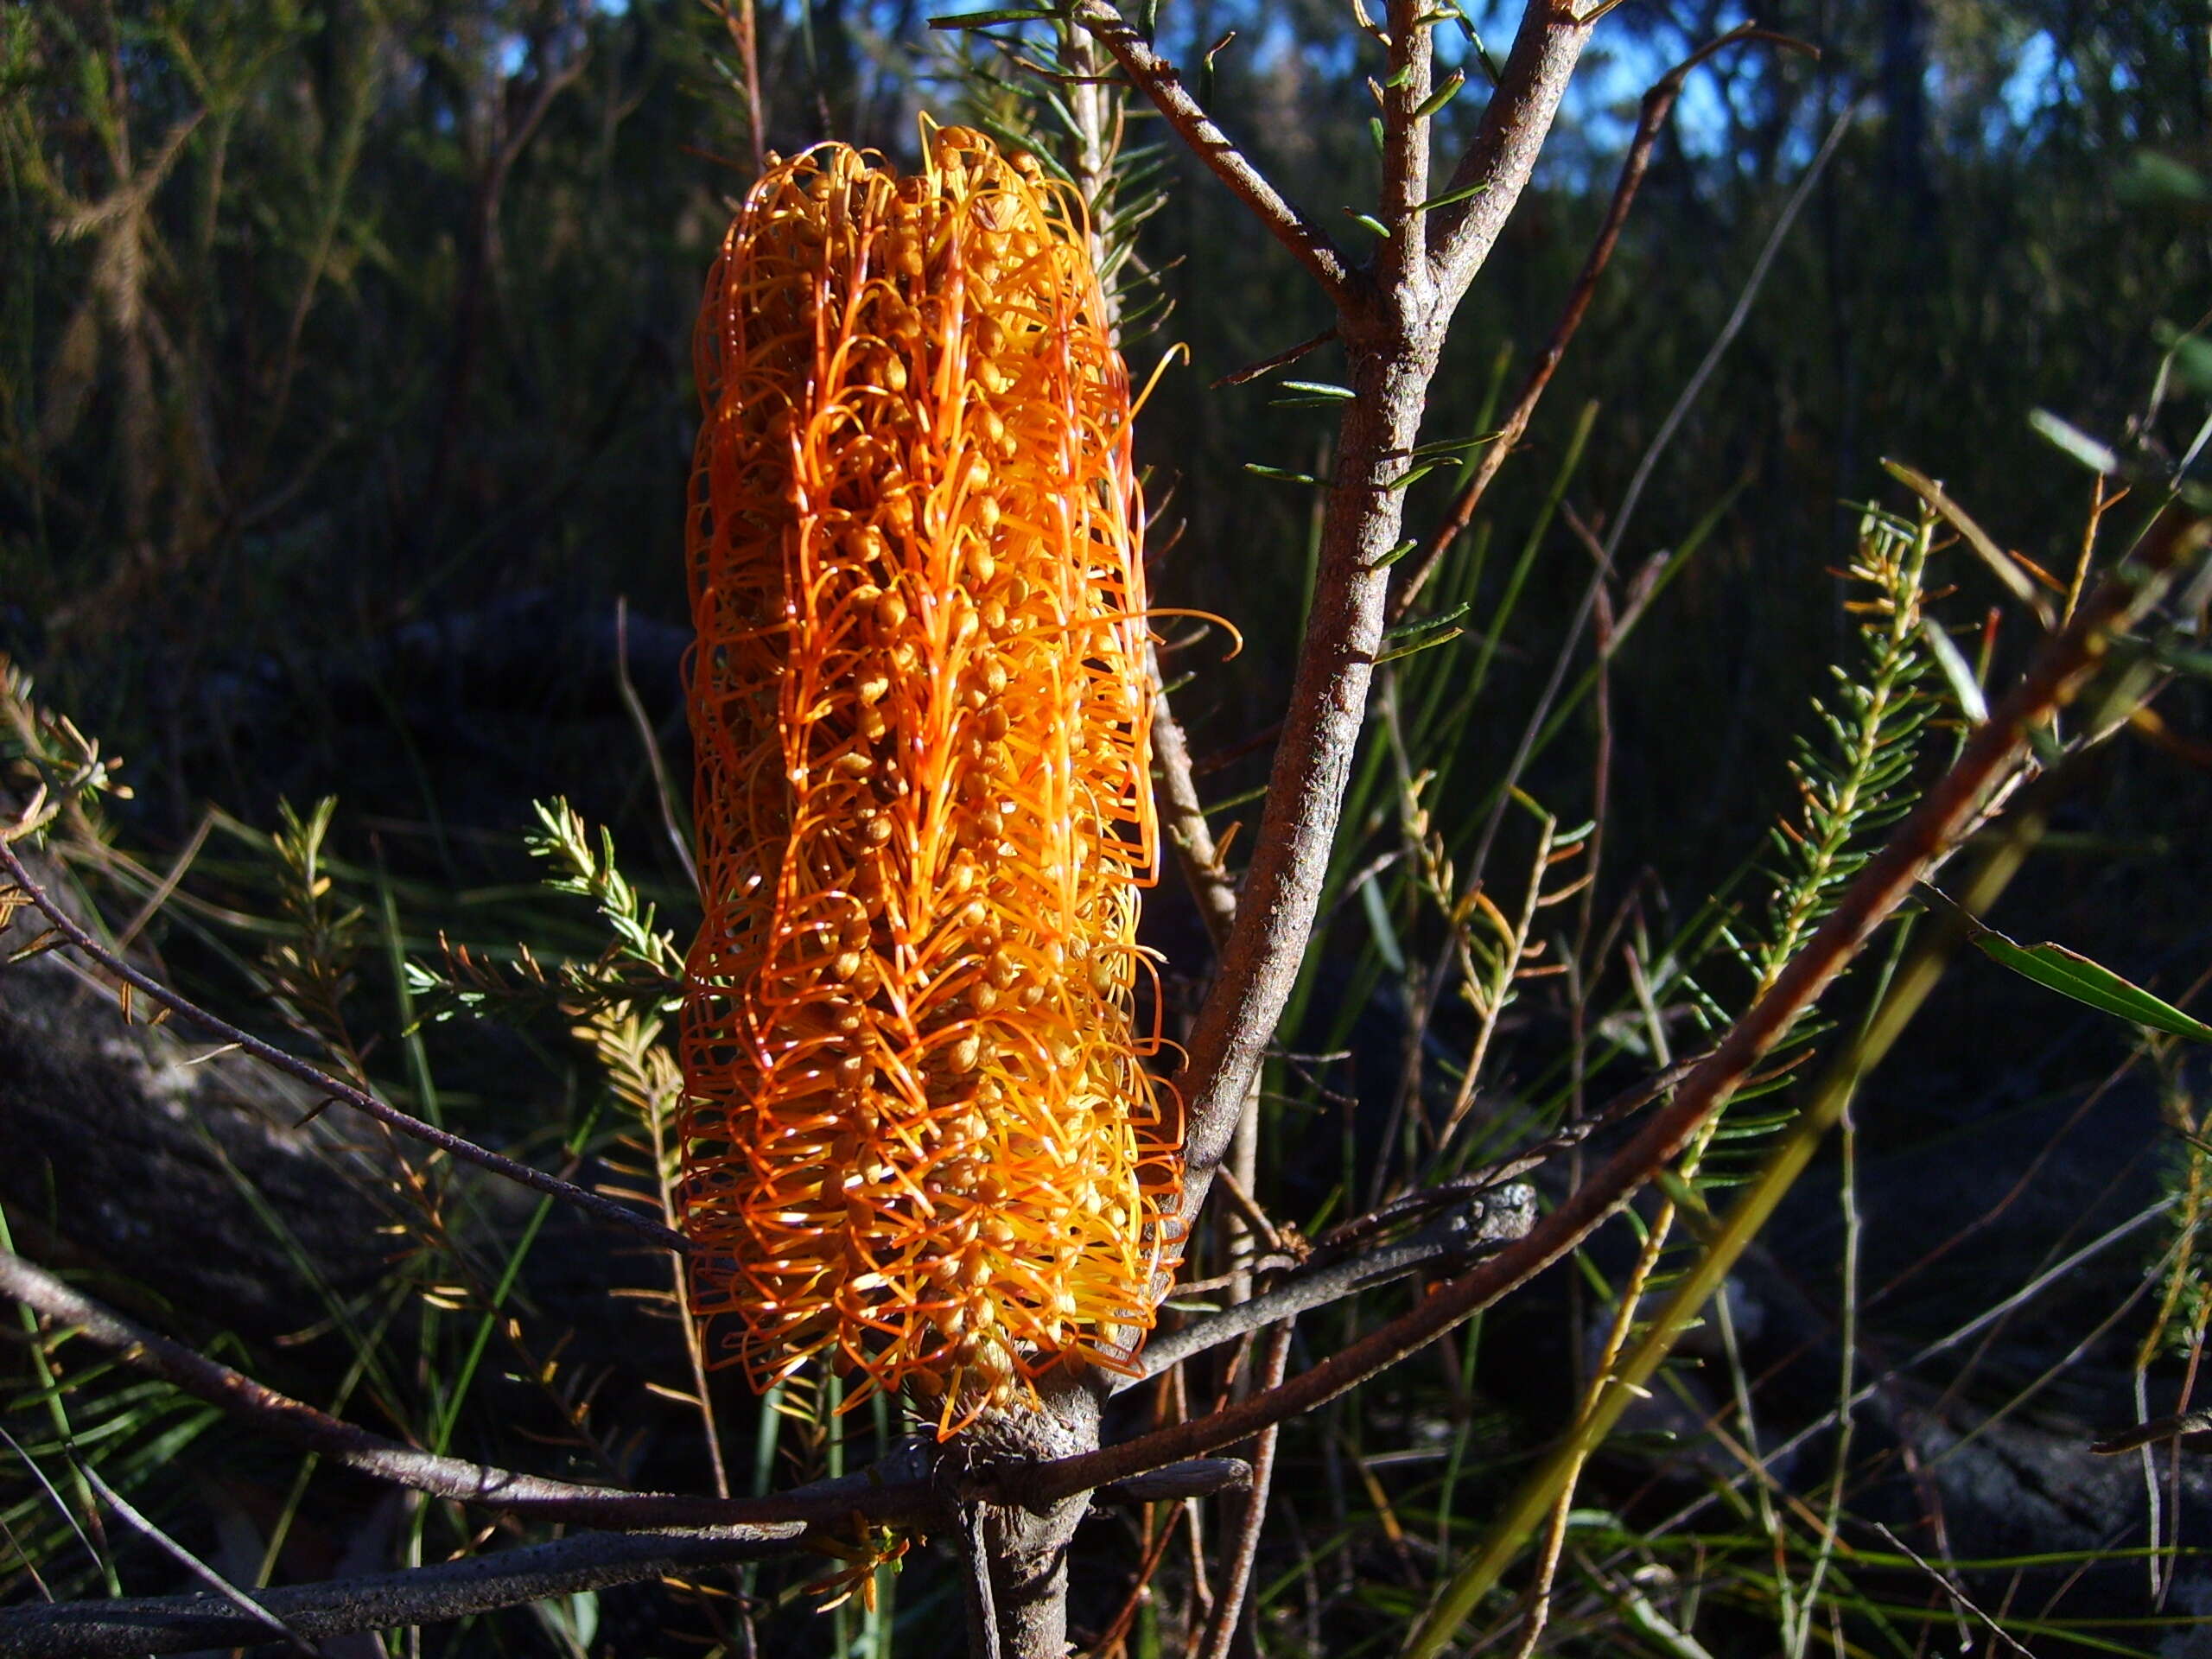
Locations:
1321 389
1443 95
985 19
1450 196
2071 974
1956 669
2074 975
2097 457
1423 643
1212 809
1258 470
1413 475
1455 445
1368 221
1405 630
1378 919
2014 579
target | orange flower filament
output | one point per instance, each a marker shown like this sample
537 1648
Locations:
920 1138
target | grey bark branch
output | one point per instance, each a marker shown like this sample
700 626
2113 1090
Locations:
1393 334
1950 809
1313 765
1503 154
1492 1219
1193 1477
478 1584
1401 262
770 1519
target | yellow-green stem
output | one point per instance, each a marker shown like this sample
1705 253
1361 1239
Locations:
1788 1161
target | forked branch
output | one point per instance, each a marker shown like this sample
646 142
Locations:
770 1520
1394 335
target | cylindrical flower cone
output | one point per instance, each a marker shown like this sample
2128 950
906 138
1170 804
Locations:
920 1138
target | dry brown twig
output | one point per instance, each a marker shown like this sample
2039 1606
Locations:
1953 806
1391 318
1658 105
1392 321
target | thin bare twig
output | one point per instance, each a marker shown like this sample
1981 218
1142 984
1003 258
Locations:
1486 1223
346 1094
1251 1519
1952 1590
1193 1477
745 35
169 883
975 1581
2157 1430
1197 853
1632 1099
772 1519
664 789
1162 82
1658 106
1280 359
1234 1189
1948 811
267 1622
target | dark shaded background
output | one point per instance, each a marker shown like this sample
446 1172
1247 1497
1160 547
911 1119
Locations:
345 391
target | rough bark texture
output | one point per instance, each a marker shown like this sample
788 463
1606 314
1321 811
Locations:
1328 704
1028 1547
1393 324
129 1156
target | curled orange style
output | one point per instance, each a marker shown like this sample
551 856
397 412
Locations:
920 1138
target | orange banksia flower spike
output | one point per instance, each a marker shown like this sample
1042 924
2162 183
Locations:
920 1138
